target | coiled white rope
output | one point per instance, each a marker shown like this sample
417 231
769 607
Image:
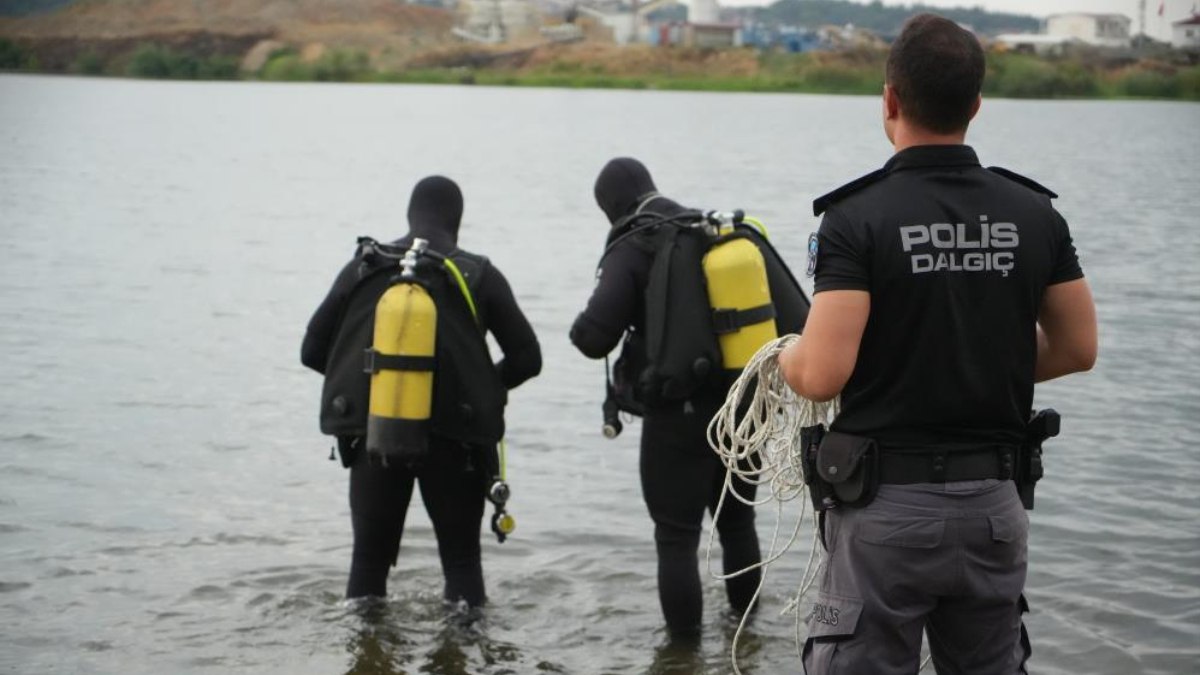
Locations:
762 447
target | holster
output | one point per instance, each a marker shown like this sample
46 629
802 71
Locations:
1042 424
849 464
819 490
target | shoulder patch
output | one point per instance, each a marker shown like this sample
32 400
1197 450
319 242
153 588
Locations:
825 201
814 245
1027 182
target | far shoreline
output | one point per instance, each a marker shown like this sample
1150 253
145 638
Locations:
538 83
1082 76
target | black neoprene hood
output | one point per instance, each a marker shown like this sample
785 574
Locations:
621 185
435 209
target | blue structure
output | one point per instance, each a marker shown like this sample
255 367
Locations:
792 39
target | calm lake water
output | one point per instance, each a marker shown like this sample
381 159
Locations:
166 503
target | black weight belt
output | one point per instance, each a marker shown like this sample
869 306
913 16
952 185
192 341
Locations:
896 468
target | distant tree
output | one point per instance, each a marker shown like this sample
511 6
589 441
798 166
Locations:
24 7
88 63
886 20
159 62
153 61
12 57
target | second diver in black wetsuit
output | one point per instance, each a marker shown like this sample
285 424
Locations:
681 476
454 478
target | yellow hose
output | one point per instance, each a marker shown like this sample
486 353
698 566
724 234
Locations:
462 286
758 224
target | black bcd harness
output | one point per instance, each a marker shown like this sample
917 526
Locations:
468 396
678 352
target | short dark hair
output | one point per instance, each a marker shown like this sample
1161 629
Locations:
936 70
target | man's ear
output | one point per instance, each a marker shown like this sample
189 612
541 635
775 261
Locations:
975 106
891 103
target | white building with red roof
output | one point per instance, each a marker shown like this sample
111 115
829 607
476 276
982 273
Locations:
1105 30
1186 34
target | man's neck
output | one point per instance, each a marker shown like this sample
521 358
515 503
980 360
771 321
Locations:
907 136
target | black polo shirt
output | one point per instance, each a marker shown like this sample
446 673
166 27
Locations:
956 259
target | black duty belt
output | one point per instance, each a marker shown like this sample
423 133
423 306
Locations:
897 468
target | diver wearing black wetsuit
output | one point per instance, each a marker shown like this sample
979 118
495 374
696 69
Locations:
681 476
454 479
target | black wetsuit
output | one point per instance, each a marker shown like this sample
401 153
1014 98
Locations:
681 476
454 479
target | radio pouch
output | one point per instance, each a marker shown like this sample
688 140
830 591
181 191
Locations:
851 465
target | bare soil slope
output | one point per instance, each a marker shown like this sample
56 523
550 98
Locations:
230 27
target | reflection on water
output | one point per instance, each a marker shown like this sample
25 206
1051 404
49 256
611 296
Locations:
381 641
166 504
678 657
377 644
422 634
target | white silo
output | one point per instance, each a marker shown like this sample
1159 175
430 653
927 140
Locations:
704 11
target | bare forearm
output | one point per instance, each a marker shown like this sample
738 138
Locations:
1055 360
1067 333
792 363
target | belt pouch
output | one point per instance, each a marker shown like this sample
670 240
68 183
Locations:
851 465
819 490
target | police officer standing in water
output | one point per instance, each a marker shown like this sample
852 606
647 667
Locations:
943 291
681 477
457 460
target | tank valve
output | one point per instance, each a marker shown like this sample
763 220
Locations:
409 262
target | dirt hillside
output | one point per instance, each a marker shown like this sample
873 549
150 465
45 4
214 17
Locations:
388 28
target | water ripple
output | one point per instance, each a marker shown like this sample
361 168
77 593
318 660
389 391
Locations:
27 438
209 592
158 404
100 527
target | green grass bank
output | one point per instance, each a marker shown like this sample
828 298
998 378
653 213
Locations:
1009 75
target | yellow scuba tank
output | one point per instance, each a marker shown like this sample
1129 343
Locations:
401 364
740 297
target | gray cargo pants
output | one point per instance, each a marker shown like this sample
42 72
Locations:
948 559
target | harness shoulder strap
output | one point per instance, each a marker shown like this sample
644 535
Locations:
658 290
467 271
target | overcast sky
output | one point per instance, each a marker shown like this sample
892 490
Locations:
1159 27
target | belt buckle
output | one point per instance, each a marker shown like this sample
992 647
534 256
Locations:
938 467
